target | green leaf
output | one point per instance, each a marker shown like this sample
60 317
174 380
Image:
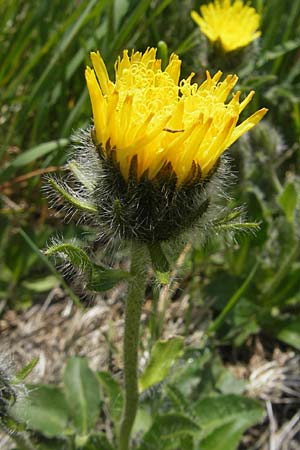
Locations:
44 410
76 255
39 151
53 444
164 431
81 389
240 226
99 278
225 437
104 279
232 302
227 383
120 8
163 356
163 278
114 393
277 51
41 284
289 332
130 24
25 371
224 419
287 289
287 199
179 401
77 202
186 442
52 269
81 175
212 412
98 441
64 43
143 419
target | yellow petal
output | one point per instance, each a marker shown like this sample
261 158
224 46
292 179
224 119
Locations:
247 125
232 24
101 71
98 104
173 68
150 113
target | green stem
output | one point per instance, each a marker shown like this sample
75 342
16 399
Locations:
281 273
133 309
233 301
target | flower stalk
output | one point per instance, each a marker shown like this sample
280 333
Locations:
133 309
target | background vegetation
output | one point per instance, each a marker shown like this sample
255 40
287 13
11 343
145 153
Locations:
246 288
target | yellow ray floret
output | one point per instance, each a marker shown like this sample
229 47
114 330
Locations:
145 112
233 24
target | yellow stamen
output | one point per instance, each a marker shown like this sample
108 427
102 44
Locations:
149 113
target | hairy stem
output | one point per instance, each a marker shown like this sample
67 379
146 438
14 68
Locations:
136 291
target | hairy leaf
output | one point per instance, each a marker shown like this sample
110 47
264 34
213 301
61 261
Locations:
164 431
45 410
163 356
81 389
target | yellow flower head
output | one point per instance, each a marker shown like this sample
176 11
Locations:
148 114
234 24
